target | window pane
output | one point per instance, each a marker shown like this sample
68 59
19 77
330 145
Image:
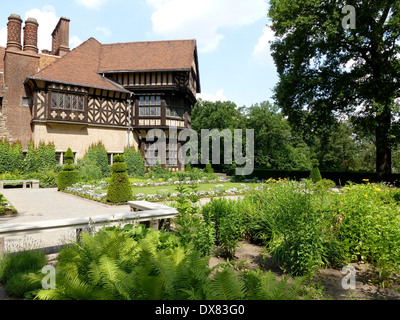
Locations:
168 112
141 101
158 101
147 99
147 111
54 100
74 103
61 101
81 103
152 111
68 101
141 111
158 111
153 100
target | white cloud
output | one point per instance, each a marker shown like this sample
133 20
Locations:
47 20
74 42
219 96
3 37
104 31
262 50
91 4
203 20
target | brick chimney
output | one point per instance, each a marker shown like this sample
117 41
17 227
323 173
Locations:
31 35
61 38
14 28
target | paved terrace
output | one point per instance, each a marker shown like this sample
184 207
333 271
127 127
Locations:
49 204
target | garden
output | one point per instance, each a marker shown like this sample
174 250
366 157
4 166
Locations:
299 230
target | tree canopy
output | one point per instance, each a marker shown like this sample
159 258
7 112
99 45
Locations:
330 70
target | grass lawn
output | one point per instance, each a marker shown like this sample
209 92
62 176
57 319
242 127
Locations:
201 187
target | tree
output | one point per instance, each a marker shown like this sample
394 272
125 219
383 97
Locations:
275 145
331 70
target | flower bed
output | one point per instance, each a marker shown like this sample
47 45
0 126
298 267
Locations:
5 207
97 191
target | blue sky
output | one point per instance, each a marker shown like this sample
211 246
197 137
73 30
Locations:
232 37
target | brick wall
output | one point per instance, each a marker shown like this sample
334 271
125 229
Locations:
17 66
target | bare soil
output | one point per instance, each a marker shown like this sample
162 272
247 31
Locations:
329 280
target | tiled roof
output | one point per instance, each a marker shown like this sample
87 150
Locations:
85 64
79 67
147 56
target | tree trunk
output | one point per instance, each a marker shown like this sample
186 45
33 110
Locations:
383 145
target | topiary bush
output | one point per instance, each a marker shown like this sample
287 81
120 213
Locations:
69 175
119 188
315 174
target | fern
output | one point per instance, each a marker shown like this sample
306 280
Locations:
226 285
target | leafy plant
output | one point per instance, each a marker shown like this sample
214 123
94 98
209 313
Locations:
68 176
119 188
135 162
228 221
315 174
191 226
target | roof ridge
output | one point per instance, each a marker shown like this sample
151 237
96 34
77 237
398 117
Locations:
149 41
63 57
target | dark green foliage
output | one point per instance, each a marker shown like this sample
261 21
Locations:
11 157
97 155
135 162
22 285
24 262
315 174
209 168
67 179
191 226
119 188
138 264
68 176
228 220
46 157
188 167
69 158
30 159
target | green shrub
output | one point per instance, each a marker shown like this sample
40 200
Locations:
30 164
119 188
191 226
23 262
46 157
97 155
143 264
11 157
68 176
135 162
22 284
209 168
228 221
315 174
188 167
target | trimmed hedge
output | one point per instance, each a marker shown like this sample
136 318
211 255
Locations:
69 175
339 177
119 188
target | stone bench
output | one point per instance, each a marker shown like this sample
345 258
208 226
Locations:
139 206
153 216
33 184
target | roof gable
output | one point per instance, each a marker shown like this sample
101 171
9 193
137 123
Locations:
85 64
79 67
147 56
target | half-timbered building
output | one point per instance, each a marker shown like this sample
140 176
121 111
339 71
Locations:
112 93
